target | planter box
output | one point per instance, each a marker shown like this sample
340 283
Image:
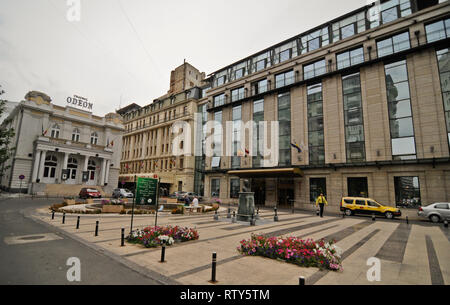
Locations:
89 201
109 208
69 201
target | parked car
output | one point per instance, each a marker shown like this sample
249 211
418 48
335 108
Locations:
90 193
122 193
435 212
176 194
359 205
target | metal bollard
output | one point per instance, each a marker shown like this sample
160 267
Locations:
78 222
252 220
122 237
407 220
96 228
163 252
275 218
257 214
213 267
446 223
343 215
216 216
301 281
64 218
53 215
373 217
229 213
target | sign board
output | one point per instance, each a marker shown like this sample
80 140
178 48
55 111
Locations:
146 191
64 174
80 102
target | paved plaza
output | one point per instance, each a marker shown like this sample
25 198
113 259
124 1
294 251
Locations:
417 252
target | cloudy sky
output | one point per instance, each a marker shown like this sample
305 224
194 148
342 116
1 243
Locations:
122 51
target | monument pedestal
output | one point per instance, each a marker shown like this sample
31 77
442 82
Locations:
246 206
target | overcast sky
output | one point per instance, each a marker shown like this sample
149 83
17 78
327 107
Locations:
122 51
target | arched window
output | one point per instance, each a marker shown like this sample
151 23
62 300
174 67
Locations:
55 131
50 166
92 166
72 166
76 135
94 138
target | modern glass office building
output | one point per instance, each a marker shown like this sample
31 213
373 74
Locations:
363 105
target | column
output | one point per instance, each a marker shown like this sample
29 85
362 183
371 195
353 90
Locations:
42 164
86 162
64 167
102 173
108 165
36 165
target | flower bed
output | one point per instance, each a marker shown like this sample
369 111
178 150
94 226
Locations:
305 253
151 237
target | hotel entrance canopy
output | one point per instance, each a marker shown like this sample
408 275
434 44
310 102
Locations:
267 173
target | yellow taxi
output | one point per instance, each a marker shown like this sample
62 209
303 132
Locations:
359 205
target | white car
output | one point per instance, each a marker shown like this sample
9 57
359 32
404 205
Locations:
122 193
436 212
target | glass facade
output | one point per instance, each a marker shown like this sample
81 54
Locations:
237 94
353 118
215 187
316 187
236 139
217 134
258 133
199 175
444 71
407 192
284 119
400 114
357 187
315 125
235 186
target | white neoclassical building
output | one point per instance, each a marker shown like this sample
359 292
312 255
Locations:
59 150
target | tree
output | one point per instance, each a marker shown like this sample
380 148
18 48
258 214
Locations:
6 134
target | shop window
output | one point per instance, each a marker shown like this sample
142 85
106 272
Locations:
357 187
316 187
407 192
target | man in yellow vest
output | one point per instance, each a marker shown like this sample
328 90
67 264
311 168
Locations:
321 202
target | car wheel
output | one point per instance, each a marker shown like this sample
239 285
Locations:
348 212
389 215
435 218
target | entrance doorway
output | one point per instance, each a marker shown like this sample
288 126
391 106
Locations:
285 192
259 188
357 187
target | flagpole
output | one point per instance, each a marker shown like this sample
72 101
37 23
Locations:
134 200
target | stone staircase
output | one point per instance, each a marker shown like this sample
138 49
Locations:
65 190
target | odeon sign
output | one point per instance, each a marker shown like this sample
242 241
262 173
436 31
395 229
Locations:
80 102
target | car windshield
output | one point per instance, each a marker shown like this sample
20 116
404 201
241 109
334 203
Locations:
92 190
126 190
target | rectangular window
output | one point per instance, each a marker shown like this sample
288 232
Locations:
258 133
443 57
215 187
350 58
237 94
284 119
284 79
235 186
260 86
353 118
394 44
217 151
315 125
400 114
407 192
285 55
261 64
357 187
314 69
438 30
349 26
316 187
236 136
239 73
219 100
314 40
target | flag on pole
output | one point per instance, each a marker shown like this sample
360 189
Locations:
295 145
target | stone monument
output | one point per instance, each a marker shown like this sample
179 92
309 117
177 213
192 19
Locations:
246 203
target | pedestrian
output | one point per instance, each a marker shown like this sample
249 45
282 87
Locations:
321 202
187 200
195 202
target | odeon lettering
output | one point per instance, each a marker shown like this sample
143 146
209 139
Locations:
80 102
